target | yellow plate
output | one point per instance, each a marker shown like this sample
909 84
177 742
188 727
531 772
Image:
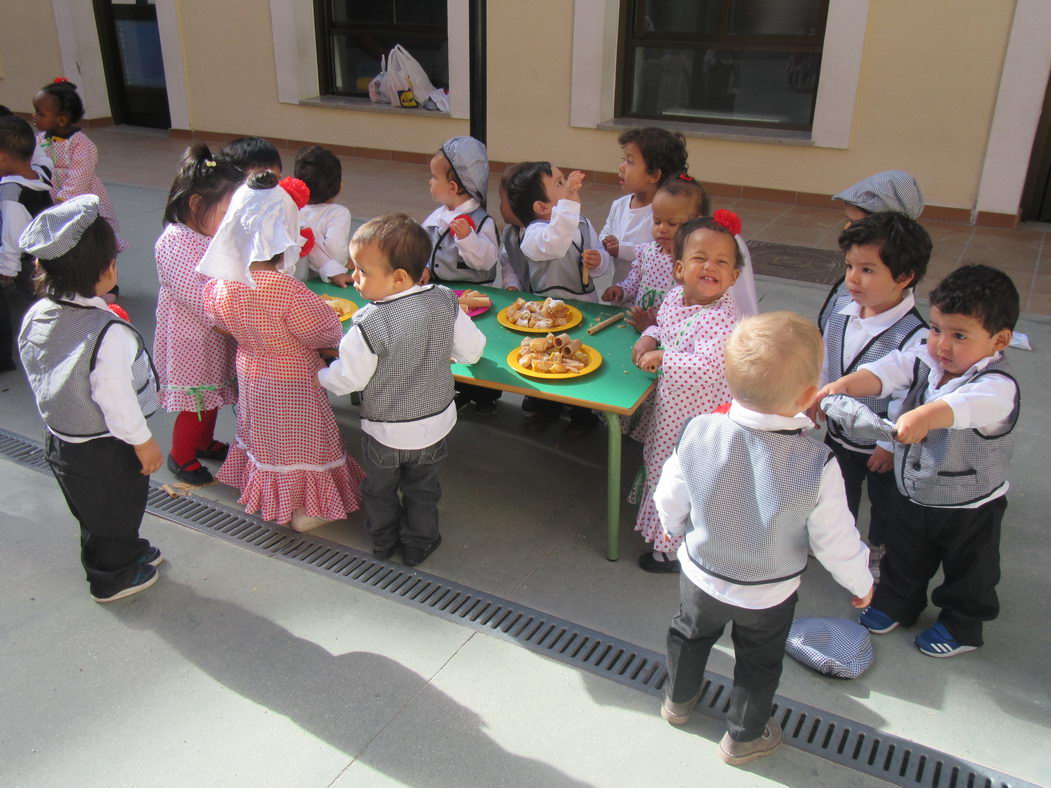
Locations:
345 303
575 316
594 363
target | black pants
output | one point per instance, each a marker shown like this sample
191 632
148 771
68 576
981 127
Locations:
104 487
854 465
964 542
759 650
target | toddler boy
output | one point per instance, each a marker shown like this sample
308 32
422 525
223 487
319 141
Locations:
320 169
752 492
397 354
953 443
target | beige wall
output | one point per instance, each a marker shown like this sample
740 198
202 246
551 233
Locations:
29 54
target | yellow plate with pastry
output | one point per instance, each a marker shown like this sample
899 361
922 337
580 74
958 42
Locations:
539 317
554 358
343 307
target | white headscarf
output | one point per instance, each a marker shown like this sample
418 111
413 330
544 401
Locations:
259 224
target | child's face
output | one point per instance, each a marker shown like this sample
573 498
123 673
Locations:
871 284
635 177
505 210
108 280
958 342
443 187
708 266
555 188
372 274
670 212
46 116
853 213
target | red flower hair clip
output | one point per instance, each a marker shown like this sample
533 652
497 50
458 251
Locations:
728 219
297 190
684 177
58 80
119 311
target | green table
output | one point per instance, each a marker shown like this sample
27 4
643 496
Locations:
616 389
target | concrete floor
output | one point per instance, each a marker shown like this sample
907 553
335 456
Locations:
238 670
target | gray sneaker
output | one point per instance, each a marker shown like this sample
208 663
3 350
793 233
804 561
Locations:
737 753
678 713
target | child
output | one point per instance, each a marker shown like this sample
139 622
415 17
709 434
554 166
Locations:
251 155
692 326
24 192
514 267
752 492
871 314
195 363
953 444
397 354
288 460
892 190
322 172
677 201
41 161
649 156
95 387
56 109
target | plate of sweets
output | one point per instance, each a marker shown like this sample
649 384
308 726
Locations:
343 307
539 317
473 302
554 357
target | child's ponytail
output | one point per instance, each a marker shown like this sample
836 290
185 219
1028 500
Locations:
201 174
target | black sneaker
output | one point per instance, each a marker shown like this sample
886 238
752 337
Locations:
384 553
199 475
145 577
486 407
152 556
413 556
650 564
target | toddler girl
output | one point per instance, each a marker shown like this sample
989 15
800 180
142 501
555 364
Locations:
692 326
678 200
195 363
56 108
288 460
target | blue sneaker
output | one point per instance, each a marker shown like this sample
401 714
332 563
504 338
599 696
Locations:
876 621
939 642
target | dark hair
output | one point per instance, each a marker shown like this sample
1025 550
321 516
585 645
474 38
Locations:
16 137
979 291
68 99
525 187
705 223
200 174
264 179
682 185
904 246
321 170
4 111
251 153
79 269
661 149
402 241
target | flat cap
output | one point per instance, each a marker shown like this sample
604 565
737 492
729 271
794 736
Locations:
55 231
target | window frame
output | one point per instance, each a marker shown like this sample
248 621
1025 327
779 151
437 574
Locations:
631 16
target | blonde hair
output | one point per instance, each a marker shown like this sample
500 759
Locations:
772 358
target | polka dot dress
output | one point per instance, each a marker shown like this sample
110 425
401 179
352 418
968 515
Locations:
652 276
288 453
692 382
187 351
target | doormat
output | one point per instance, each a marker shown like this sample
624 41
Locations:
801 263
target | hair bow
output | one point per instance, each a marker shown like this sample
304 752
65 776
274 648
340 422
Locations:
684 177
57 80
728 219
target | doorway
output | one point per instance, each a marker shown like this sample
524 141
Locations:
131 54
1036 197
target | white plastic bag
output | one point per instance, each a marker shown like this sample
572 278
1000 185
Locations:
377 94
406 83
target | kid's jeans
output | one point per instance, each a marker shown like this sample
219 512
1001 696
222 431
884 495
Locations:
759 649
412 517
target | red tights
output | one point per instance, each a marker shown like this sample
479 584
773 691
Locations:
189 435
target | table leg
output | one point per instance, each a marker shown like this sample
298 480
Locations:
613 486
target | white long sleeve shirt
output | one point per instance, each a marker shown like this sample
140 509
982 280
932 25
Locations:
14 218
834 540
480 247
630 226
357 363
330 222
550 240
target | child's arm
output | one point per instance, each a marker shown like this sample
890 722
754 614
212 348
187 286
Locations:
14 219
185 286
672 499
985 405
468 340
592 244
332 248
478 248
550 241
83 158
354 367
312 321
626 291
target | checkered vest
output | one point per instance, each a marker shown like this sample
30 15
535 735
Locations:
564 275
511 247
751 493
954 467
413 337
834 328
446 264
59 343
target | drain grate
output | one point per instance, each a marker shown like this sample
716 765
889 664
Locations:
830 736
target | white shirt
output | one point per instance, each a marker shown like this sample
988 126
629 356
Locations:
357 363
834 540
551 240
630 226
330 222
480 247
110 383
984 405
14 219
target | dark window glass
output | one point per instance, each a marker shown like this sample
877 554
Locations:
777 17
681 16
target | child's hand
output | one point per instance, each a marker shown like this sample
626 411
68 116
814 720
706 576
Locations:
328 352
642 346
461 227
150 457
592 258
425 277
861 602
815 414
574 183
341 280
880 460
611 245
912 427
512 289
641 319
613 294
651 361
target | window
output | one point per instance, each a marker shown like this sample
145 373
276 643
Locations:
740 62
353 35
